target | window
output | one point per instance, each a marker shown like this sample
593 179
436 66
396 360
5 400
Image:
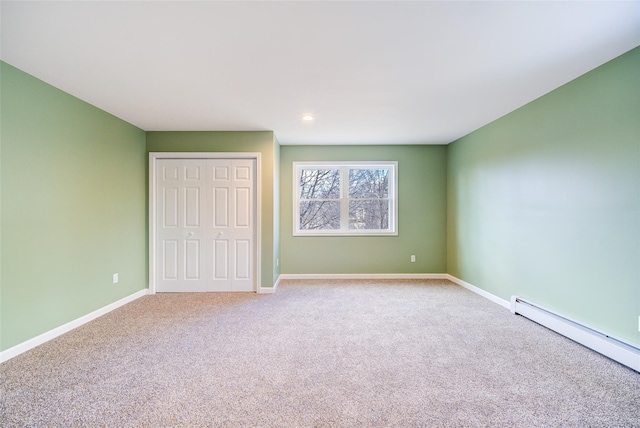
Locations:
345 198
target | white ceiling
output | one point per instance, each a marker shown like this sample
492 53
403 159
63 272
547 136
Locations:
369 72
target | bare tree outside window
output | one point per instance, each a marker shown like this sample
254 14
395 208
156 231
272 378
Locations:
369 199
319 199
345 198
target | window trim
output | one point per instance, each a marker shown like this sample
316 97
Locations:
346 165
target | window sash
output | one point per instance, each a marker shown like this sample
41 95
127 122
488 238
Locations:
344 199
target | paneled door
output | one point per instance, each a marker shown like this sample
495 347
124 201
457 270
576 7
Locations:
231 203
180 225
205 225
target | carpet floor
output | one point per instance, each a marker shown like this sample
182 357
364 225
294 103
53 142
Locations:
401 353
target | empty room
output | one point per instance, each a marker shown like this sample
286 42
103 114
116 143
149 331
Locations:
319 214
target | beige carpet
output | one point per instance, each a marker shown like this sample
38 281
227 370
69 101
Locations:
317 354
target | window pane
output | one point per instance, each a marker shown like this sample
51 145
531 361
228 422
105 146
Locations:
368 214
319 184
368 183
345 198
319 215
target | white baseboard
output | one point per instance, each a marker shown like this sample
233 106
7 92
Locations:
616 349
495 299
481 292
284 276
269 290
362 276
65 328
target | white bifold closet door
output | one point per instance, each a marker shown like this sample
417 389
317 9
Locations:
231 206
205 217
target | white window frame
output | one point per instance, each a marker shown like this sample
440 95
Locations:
344 167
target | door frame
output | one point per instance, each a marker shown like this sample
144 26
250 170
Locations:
153 158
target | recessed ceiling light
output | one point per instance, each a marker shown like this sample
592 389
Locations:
307 118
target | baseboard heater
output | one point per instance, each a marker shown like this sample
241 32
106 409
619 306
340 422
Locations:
618 350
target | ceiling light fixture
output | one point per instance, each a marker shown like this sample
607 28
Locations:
307 118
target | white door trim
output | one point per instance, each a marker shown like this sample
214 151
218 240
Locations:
153 158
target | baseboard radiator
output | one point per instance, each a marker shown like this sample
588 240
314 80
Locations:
618 350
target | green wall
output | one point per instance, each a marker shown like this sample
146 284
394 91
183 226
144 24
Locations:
276 212
263 142
544 203
421 216
73 208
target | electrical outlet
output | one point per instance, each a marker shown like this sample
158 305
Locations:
277 262
115 278
413 258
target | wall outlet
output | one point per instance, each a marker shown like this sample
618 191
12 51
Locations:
277 262
115 278
413 258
